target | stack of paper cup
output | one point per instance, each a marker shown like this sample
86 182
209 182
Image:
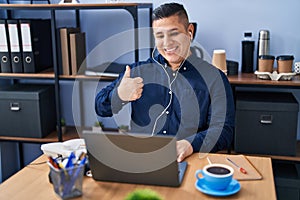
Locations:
219 59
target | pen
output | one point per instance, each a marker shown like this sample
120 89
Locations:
70 160
53 162
83 160
81 156
240 168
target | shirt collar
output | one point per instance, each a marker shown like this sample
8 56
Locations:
186 65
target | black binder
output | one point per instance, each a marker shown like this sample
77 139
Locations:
15 46
5 65
36 44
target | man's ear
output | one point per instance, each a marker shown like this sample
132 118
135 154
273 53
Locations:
191 30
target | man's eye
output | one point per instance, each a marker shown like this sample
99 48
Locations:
174 34
159 36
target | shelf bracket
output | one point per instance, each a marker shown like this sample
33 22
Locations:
133 10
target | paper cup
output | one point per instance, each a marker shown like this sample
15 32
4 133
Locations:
285 63
266 63
219 59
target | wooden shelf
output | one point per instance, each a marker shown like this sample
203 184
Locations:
74 6
44 75
50 75
71 133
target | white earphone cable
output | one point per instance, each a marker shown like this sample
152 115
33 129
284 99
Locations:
170 88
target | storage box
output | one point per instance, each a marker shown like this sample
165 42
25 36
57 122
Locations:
287 179
27 110
266 123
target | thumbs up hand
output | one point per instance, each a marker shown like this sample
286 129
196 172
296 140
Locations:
130 89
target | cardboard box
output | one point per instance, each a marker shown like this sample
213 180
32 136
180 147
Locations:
27 110
266 123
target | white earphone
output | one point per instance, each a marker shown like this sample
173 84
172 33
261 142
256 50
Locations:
170 88
191 34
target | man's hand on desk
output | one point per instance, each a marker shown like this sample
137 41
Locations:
130 89
184 149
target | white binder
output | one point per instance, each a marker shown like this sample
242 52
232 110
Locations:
15 47
28 57
4 48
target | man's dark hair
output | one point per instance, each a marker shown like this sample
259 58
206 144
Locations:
170 9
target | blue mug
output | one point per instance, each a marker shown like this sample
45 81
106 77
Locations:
215 176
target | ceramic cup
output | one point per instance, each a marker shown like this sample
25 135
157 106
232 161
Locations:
215 176
265 63
285 63
219 59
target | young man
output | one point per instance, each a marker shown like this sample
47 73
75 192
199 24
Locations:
174 92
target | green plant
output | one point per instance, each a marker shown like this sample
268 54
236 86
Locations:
143 194
123 128
62 122
99 124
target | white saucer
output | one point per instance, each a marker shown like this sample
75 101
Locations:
233 188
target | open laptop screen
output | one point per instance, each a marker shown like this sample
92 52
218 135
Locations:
134 158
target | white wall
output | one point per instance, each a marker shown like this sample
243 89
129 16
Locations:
221 24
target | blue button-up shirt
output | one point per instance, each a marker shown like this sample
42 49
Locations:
193 103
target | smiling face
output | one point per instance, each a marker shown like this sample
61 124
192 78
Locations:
172 39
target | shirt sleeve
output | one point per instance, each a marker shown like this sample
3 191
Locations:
219 134
107 101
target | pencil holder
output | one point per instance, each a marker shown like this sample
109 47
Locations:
67 183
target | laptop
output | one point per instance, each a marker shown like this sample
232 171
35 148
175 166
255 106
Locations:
134 158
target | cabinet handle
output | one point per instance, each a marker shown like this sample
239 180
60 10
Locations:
266 119
15 106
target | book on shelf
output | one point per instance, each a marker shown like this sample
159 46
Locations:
78 52
65 48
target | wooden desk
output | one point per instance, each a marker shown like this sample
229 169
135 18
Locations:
32 183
